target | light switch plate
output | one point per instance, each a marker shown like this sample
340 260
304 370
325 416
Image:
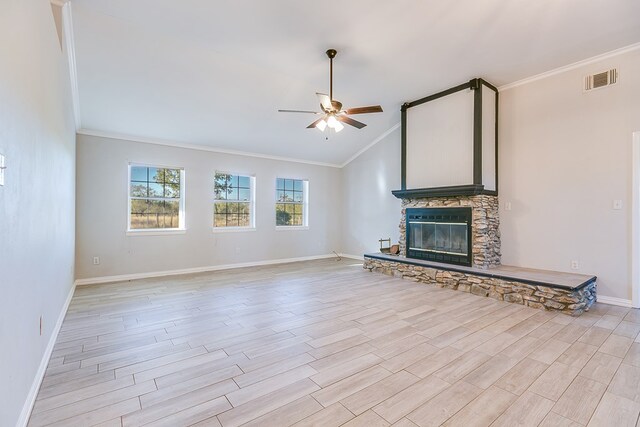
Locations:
2 169
507 206
617 204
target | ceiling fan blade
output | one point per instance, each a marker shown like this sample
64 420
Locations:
350 121
312 125
298 111
364 110
325 101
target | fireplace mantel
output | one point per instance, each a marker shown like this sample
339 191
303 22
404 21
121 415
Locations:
456 190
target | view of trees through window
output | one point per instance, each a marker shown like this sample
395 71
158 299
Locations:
289 202
232 205
155 197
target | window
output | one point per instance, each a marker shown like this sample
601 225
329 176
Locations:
233 204
156 198
291 202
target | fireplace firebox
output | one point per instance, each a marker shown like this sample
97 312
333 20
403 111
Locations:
439 234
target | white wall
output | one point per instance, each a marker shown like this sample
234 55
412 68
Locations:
370 211
564 156
102 211
37 202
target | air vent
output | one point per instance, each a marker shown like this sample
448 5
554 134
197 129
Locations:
600 80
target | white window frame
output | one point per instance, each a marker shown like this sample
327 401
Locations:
252 205
181 229
305 204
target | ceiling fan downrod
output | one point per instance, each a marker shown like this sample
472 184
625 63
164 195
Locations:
331 53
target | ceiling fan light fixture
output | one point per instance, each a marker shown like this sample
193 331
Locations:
332 114
321 125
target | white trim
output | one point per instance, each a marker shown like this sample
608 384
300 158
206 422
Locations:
374 142
291 227
350 256
620 302
70 45
635 220
35 386
569 67
134 276
111 135
156 231
232 229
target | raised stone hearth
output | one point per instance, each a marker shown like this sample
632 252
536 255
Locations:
569 293
485 225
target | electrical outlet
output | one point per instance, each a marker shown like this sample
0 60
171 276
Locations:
96 260
507 206
237 250
617 205
575 265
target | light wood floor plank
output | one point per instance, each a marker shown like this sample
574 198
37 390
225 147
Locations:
374 394
483 410
409 399
529 410
350 385
439 409
333 416
615 411
325 343
580 400
288 414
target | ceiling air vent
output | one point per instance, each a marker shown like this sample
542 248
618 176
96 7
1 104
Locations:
600 80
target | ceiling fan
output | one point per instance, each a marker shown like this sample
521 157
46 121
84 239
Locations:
332 113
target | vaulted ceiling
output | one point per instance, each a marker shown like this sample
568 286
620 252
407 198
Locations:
214 73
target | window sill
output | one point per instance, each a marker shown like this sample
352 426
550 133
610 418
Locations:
232 229
291 227
156 232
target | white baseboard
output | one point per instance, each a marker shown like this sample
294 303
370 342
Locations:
358 257
35 387
135 276
614 301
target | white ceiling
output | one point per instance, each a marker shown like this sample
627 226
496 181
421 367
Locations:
215 73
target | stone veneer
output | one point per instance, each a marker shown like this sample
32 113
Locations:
573 302
485 224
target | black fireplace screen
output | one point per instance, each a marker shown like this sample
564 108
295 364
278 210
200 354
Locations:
439 234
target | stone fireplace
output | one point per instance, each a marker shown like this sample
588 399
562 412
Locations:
449 226
474 217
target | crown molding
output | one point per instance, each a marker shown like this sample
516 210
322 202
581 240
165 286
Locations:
569 67
111 135
70 50
374 142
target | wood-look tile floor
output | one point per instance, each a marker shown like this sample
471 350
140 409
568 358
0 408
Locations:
325 343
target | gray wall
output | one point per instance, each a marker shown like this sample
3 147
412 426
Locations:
370 211
37 137
564 156
102 211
